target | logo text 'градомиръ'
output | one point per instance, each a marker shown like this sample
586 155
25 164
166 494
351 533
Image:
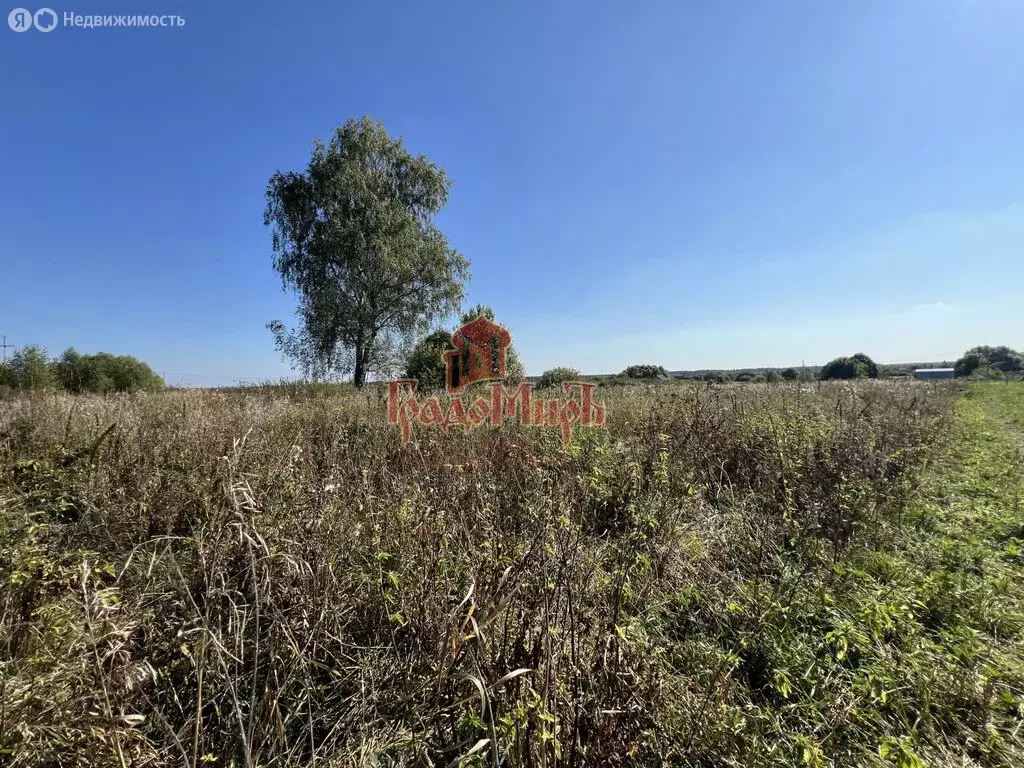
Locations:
480 355
406 410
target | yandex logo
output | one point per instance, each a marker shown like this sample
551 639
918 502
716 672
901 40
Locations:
480 355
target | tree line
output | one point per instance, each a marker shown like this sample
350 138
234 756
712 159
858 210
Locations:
31 368
1002 359
354 239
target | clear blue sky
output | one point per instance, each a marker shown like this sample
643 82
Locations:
695 184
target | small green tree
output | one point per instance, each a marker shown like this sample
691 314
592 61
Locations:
844 368
554 377
128 374
1000 358
790 374
29 368
104 372
646 371
968 364
772 377
71 370
426 360
870 368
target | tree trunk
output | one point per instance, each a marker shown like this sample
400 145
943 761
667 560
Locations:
359 375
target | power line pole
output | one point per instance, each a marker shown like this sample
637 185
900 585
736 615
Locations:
5 345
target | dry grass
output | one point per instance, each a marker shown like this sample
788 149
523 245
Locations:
268 579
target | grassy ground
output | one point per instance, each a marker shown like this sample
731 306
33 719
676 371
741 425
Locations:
826 575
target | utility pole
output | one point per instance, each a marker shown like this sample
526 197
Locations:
5 345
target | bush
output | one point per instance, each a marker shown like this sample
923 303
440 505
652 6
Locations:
28 368
104 372
858 366
426 361
555 376
646 371
790 374
968 364
869 365
994 358
127 373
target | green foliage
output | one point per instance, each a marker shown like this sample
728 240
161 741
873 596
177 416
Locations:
646 371
104 372
354 237
772 377
28 368
554 377
968 364
426 361
858 366
719 377
844 368
867 364
790 374
992 358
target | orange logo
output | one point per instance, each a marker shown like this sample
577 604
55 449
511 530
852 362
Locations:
480 354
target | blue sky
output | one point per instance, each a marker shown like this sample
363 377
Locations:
694 184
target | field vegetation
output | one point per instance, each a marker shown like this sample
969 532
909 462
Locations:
792 574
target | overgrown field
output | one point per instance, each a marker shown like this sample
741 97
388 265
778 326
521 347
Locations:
816 575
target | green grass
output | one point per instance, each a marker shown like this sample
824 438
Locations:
935 618
816 575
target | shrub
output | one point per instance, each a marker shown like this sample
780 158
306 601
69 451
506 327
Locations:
999 358
869 365
858 366
127 373
968 364
426 361
75 373
28 368
104 372
790 374
555 376
646 371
